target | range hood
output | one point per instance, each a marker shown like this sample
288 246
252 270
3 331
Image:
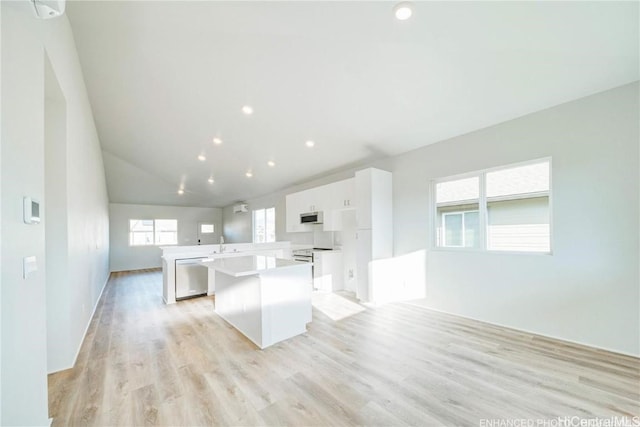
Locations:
311 218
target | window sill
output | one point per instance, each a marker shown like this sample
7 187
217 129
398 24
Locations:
489 251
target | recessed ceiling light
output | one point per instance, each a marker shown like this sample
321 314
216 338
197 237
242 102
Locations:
403 10
271 163
217 141
211 181
310 144
202 157
181 191
247 109
248 174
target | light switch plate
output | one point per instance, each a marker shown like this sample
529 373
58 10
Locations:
29 266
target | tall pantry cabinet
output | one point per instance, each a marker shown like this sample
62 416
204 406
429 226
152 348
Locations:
374 220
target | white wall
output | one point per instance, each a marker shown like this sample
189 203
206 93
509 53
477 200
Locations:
588 290
24 363
1 138
237 227
87 210
59 356
125 257
26 41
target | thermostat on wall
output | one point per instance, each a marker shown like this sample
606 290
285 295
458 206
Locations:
31 211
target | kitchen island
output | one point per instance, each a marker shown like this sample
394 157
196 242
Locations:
266 298
173 254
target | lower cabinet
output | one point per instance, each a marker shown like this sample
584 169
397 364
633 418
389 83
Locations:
328 271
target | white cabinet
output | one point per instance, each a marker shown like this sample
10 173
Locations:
363 197
339 197
328 271
374 218
312 200
296 204
374 209
363 257
329 199
302 202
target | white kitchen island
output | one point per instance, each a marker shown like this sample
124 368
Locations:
266 298
171 254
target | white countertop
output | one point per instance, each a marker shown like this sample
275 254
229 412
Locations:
170 253
250 264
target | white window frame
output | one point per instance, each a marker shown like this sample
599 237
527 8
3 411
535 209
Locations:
482 208
213 228
130 232
154 232
155 236
444 228
253 224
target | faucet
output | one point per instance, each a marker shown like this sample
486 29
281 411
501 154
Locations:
222 248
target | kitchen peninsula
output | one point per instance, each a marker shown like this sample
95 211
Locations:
266 298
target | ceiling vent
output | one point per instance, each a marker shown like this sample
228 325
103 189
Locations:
47 9
240 207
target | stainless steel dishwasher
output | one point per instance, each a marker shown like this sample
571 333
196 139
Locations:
192 278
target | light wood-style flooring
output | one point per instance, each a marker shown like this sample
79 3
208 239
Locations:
146 363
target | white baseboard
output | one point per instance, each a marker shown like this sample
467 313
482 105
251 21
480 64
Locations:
93 312
86 329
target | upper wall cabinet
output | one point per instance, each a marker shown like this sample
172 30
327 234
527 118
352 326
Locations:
340 196
329 199
297 203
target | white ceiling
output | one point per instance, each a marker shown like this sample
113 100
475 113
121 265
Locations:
165 77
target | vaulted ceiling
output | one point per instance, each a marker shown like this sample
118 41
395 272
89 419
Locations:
164 78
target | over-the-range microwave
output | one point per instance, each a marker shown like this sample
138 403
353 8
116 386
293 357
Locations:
311 218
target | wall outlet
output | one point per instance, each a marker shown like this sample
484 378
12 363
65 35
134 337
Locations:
350 273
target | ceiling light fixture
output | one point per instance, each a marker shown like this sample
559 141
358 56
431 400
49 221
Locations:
217 141
248 174
247 109
211 181
202 157
403 11
181 191
310 144
271 163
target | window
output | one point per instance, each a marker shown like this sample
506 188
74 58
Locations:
505 209
457 203
140 232
518 209
264 225
145 232
207 228
460 229
166 231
